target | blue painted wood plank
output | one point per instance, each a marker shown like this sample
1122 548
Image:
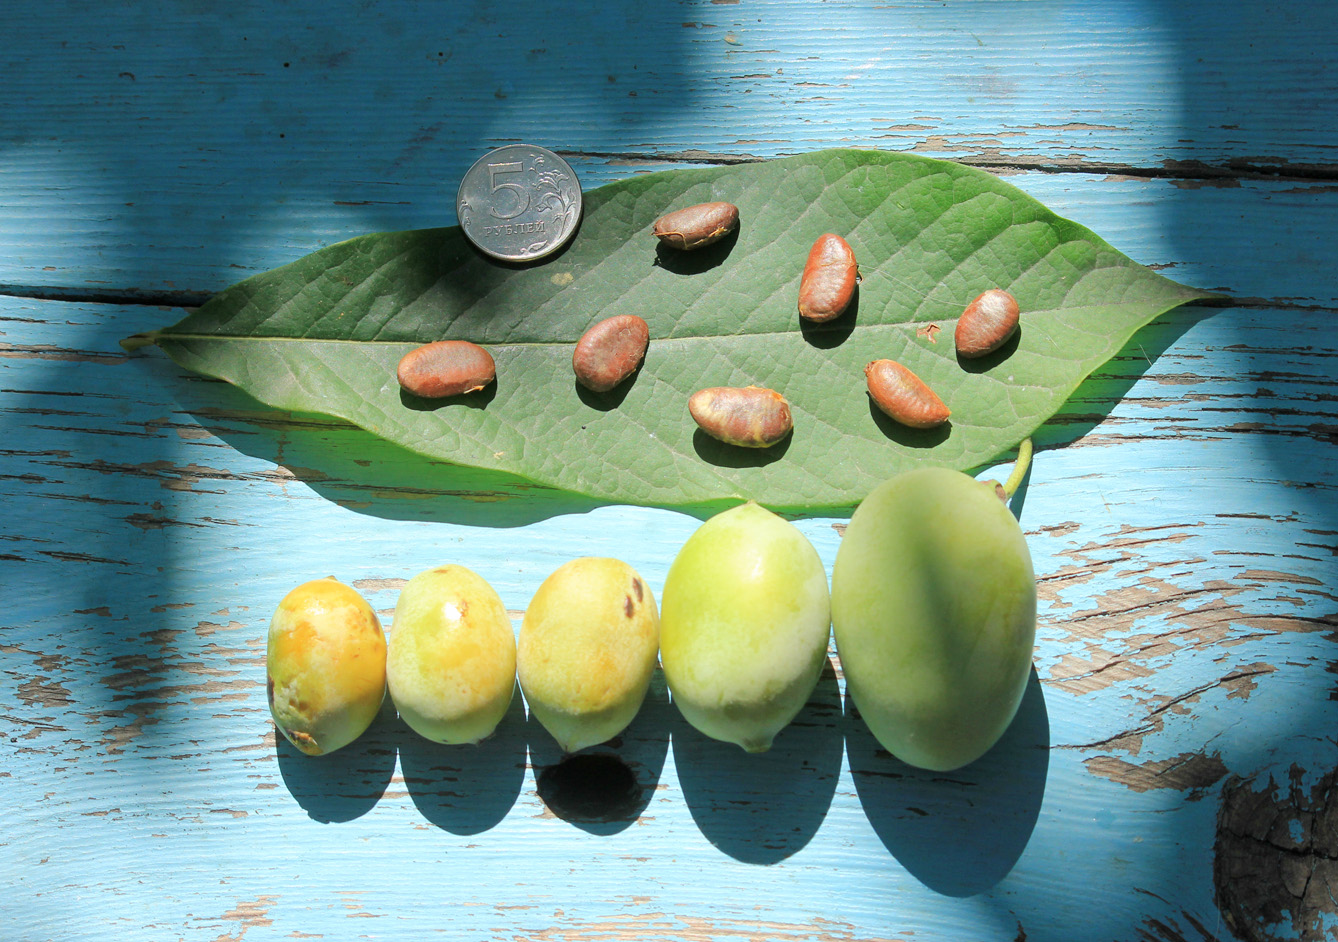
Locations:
152 150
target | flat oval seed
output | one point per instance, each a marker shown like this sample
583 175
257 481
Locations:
829 279
609 351
750 417
446 368
696 226
986 324
904 396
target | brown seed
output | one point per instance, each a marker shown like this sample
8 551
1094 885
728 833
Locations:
446 368
609 351
986 324
829 278
903 395
750 417
696 226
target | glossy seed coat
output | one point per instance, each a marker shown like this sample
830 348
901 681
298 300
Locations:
446 368
749 416
610 351
903 396
697 226
986 324
828 282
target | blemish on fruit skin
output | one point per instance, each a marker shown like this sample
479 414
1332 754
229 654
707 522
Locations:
628 607
636 586
269 690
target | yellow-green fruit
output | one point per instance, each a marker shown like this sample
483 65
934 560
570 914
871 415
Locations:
934 611
452 661
587 650
326 666
744 625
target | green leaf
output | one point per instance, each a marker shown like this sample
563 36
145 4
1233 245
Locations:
324 334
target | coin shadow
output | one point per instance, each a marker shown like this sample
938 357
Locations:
991 360
726 455
474 400
959 833
695 261
832 333
347 783
762 808
605 788
904 434
466 789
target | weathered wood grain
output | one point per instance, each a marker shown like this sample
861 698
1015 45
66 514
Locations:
150 152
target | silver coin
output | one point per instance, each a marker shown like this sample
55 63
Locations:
519 203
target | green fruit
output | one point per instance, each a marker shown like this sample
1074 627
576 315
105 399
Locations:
451 667
934 613
325 662
744 626
587 650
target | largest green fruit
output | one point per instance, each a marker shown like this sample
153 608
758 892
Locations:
744 624
934 614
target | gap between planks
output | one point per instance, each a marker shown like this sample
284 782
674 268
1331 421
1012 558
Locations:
1235 169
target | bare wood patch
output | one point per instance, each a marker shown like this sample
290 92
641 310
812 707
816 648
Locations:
628 928
45 691
1190 771
248 915
380 585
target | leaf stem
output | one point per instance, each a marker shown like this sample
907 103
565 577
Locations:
1019 468
135 341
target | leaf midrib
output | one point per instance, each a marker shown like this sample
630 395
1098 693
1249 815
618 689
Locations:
786 334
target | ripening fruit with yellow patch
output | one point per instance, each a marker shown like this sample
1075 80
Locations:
326 666
451 667
587 650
